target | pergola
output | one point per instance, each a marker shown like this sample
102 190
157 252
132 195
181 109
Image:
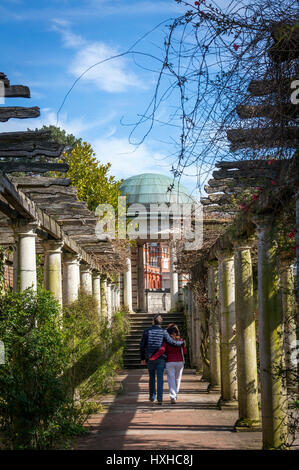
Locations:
42 215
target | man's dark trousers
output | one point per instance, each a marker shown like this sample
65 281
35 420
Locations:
156 368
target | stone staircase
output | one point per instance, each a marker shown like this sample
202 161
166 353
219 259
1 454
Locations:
139 322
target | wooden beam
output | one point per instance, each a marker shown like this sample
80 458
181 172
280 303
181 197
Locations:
32 167
39 181
4 79
252 164
23 136
272 137
31 149
25 207
7 210
245 174
18 112
286 111
16 91
265 87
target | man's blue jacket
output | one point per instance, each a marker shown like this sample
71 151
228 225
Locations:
152 340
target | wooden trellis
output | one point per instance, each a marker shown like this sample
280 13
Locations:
52 202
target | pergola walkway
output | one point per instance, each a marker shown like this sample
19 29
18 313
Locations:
130 421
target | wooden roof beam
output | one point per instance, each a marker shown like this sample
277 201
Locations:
18 112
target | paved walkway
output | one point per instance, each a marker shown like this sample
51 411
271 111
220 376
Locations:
130 421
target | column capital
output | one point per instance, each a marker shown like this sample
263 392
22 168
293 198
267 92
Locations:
225 254
212 263
242 245
96 273
84 267
263 221
52 246
71 258
25 227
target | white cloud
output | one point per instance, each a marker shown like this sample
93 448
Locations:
75 126
112 75
128 160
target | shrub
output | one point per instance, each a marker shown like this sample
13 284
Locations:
49 363
95 348
33 400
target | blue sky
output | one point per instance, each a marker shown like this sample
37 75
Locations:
48 44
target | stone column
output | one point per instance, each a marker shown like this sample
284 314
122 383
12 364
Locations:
273 393
174 280
104 298
204 341
53 267
289 321
128 286
246 341
140 261
228 330
197 361
71 277
297 255
214 327
25 256
118 290
96 290
109 301
86 278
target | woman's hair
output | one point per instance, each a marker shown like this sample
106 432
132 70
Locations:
174 331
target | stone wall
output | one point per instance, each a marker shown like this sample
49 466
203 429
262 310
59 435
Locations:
157 301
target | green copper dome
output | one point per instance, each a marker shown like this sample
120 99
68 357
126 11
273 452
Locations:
153 188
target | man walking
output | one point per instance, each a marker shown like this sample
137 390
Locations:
151 342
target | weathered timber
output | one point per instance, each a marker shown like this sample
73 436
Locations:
286 111
31 149
16 91
28 209
18 112
43 200
39 182
7 210
265 87
257 174
4 79
273 137
32 167
252 164
216 198
23 136
35 192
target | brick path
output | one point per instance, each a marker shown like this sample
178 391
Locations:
130 421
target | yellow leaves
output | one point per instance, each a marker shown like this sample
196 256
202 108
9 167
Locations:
91 178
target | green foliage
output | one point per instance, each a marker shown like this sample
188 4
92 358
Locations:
33 399
53 368
91 178
69 140
95 349
94 184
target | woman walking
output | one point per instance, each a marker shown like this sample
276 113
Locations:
174 362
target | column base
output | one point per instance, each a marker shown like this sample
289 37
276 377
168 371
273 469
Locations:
214 388
227 404
248 425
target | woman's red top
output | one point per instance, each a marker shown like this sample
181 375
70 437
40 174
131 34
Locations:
174 353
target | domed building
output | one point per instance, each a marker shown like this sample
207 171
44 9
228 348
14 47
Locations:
151 284
153 188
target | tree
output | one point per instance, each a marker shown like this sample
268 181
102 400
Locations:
93 183
91 178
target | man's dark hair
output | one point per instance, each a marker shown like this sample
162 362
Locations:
158 320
